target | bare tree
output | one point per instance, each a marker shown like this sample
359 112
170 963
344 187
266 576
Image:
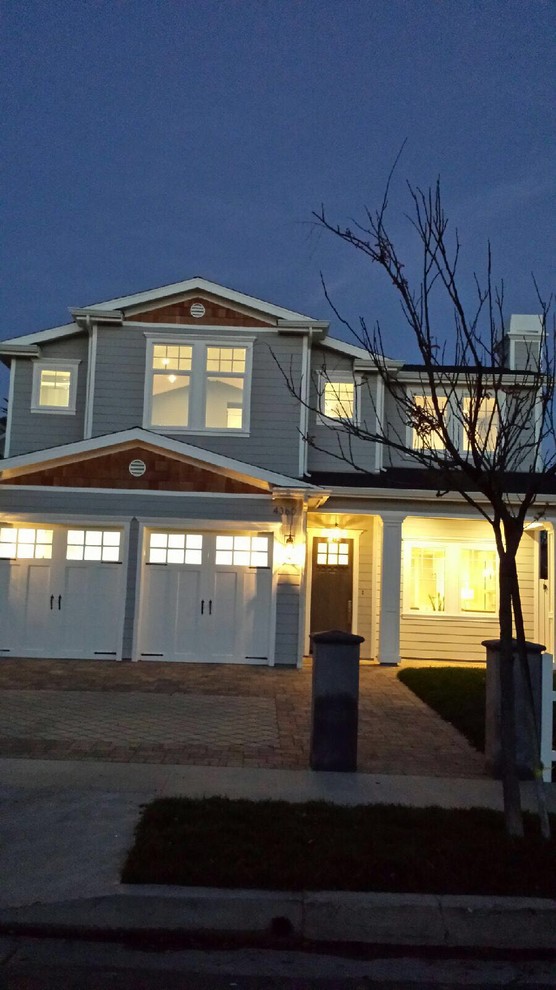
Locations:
476 425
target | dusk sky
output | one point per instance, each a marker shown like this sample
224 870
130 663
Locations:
147 142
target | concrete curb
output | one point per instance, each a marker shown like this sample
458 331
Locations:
326 916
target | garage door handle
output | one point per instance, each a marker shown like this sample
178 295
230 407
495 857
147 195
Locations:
210 606
59 602
202 605
51 602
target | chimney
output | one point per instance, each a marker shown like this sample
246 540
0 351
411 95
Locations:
522 342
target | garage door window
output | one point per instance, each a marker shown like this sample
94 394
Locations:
247 551
175 548
93 544
30 544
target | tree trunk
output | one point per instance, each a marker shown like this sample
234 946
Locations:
510 782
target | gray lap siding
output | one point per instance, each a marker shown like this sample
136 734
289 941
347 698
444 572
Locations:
273 440
39 430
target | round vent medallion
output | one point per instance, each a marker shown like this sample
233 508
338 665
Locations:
137 468
197 310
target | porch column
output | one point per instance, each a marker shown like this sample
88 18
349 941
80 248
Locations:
389 636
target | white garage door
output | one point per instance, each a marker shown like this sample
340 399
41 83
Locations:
61 592
206 597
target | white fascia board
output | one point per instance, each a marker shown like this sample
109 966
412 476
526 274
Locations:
96 314
42 336
203 457
342 347
201 285
19 350
414 495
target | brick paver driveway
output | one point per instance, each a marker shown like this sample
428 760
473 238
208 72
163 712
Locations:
216 715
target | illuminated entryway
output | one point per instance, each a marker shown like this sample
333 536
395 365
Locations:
61 591
332 583
206 596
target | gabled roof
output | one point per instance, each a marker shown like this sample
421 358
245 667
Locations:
30 339
199 284
11 466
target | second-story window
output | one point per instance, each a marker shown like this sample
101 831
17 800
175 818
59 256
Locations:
463 416
200 386
54 386
425 437
337 398
481 422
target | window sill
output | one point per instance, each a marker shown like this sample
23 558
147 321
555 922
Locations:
181 431
53 410
473 616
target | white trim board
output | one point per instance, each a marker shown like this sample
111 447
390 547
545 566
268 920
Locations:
200 285
147 438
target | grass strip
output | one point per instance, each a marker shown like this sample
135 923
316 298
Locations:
456 694
275 845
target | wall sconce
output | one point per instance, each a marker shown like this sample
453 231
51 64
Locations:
288 512
290 550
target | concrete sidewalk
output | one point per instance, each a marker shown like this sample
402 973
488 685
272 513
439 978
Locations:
65 827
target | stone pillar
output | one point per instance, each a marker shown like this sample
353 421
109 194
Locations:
526 759
389 636
335 698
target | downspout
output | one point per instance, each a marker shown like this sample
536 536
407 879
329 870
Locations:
11 389
304 397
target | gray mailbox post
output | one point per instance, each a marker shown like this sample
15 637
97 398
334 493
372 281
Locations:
526 759
334 710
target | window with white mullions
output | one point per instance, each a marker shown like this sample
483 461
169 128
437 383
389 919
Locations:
175 548
224 391
201 386
243 551
450 579
54 386
425 437
485 427
331 553
93 545
25 543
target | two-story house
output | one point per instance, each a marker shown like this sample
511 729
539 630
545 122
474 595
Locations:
159 501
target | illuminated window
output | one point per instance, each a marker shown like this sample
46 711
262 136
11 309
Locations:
450 578
93 544
198 386
427 579
486 424
331 553
477 575
30 544
425 437
246 551
54 386
175 548
337 400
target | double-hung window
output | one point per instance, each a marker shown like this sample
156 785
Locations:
450 578
54 386
199 386
424 434
462 415
480 420
337 397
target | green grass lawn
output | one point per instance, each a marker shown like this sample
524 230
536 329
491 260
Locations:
275 845
456 693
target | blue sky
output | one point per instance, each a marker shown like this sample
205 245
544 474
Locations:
146 142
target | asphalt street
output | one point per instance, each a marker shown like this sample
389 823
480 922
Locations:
61 964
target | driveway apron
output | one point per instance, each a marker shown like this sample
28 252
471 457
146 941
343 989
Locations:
212 715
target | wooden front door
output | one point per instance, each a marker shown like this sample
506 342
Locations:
332 585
